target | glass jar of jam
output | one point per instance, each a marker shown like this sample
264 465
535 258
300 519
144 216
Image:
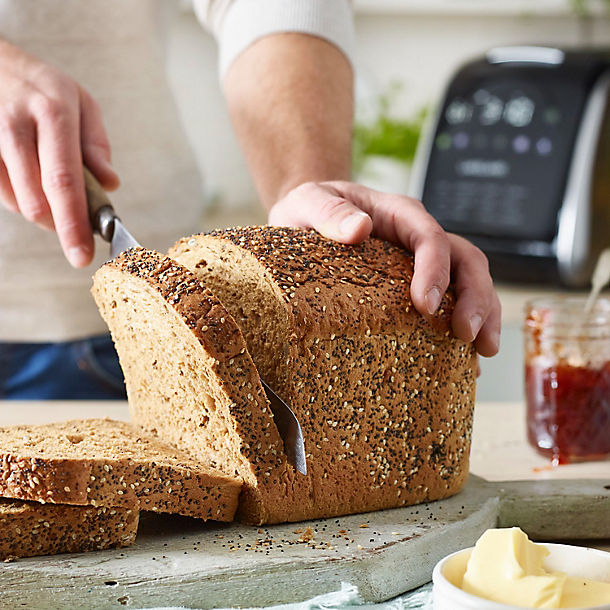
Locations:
567 378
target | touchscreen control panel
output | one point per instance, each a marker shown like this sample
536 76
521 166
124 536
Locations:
502 149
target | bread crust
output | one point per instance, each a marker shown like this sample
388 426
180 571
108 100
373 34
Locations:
28 529
330 288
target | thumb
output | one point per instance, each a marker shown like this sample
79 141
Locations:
322 208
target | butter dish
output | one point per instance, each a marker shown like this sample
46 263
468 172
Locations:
575 561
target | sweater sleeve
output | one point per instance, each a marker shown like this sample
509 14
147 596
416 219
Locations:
236 24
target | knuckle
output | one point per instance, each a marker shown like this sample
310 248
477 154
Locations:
436 232
480 258
13 128
60 180
305 188
331 206
34 211
48 108
71 231
416 202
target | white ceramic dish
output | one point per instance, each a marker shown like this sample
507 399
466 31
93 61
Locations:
573 560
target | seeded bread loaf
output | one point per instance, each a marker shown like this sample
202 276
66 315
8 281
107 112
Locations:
28 529
190 379
384 396
101 462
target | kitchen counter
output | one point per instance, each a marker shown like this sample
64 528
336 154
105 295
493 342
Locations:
143 577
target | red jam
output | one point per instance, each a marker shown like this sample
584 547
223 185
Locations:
568 411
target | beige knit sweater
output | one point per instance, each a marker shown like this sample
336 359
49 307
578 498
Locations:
114 49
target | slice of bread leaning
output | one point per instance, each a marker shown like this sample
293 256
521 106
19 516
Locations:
28 529
100 462
190 379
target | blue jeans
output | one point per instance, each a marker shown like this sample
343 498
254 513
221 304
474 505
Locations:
87 369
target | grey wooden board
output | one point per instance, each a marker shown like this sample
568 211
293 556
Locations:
182 562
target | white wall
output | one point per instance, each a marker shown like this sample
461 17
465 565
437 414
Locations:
420 47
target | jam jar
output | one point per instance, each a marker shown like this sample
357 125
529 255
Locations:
567 378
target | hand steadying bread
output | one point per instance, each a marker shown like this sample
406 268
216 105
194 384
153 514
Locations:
349 213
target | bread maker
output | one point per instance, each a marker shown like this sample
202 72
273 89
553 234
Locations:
517 160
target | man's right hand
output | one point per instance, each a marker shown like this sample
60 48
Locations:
49 127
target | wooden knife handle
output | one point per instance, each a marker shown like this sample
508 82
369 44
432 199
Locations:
99 206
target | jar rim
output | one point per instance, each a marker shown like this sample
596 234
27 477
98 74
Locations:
568 312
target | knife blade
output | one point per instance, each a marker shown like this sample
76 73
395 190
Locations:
289 428
104 221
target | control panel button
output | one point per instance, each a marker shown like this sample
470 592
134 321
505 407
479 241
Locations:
521 144
544 146
519 111
461 140
443 141
458 112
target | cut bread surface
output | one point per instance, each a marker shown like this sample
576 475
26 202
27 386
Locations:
28 529
110 463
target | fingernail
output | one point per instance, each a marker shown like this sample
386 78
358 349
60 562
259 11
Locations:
475 325
433 299
350 223
79 256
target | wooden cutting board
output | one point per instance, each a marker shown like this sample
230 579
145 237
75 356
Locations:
182 562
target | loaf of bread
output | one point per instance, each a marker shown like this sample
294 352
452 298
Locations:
28 529
100 462
384 396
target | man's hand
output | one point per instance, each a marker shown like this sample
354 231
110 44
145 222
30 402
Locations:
349 213
49 127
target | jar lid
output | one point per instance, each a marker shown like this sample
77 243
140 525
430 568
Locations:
565 316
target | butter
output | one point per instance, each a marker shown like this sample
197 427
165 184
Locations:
506 567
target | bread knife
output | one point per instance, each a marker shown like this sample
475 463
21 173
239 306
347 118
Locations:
105 222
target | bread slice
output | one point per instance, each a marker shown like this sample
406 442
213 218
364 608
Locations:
190 379
31 528
101 462
384 396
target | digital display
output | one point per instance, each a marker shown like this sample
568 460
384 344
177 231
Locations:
500 153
